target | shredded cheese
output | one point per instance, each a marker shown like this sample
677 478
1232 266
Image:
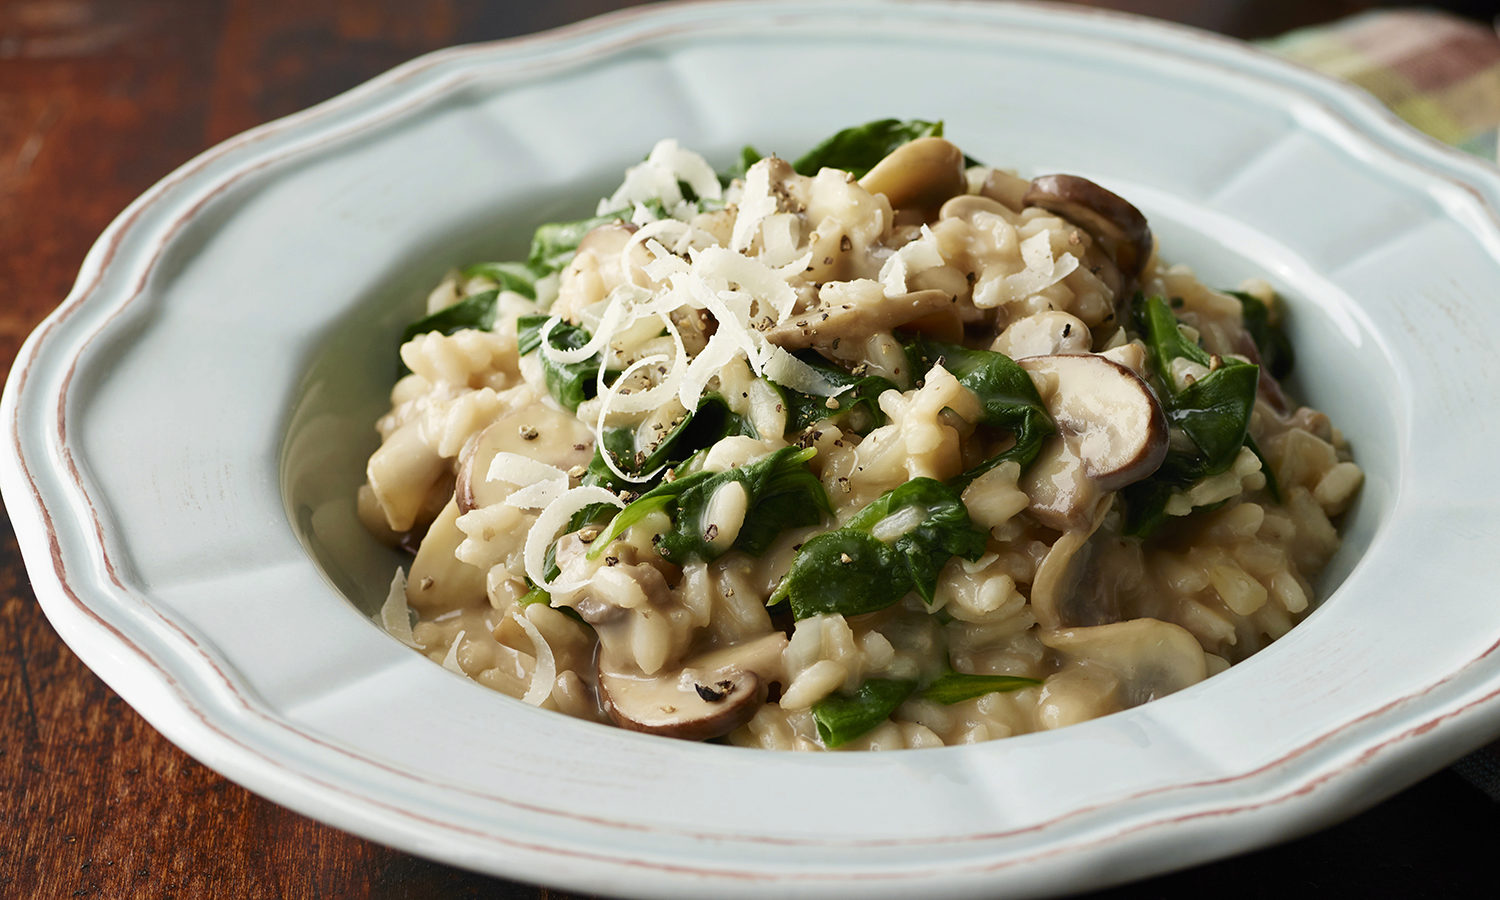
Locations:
395 615
450 662
544 673
551 521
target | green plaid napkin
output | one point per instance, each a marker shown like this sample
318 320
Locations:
1437 71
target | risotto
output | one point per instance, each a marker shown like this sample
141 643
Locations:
880 448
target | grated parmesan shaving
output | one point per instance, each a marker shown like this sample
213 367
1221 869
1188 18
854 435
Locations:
1042 270
608 398
779 235
544 673
395 615
789 371
514 468
551 521
915 257
450 662
659 178
756 203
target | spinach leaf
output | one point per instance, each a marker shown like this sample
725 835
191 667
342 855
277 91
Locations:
1007 397
956 687
569 383
1164 339
856 150
781 493
511 276
857 404
712 421
850 571
474 311
555 243
1213 412
842 717
1274 346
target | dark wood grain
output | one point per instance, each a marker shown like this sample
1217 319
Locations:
100 98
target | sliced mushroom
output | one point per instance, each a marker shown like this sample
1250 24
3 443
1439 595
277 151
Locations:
920 174
1111 431
1117 226
597 268
1067 589
439 581
1131 355
536 431
1152 658
1045 333
856 316
1006 187
694 706
708 698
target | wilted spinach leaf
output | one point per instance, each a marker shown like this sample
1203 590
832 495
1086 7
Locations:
1213 412
569 383
1275 347
850 571
856 405
856 150
781 493
843 717
511 276
956 687
1007 397
711 422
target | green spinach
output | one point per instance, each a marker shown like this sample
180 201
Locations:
857 405
569 383
856 150
1275 347
1007 397
474 311
711 422
843 717
850 571
956 687
1213 412
510 276
781 493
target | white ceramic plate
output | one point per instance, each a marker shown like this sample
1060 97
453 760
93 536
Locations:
186 432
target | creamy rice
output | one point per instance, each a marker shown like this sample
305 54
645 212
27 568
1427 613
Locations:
993 464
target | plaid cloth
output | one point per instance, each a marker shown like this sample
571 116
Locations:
1441 74
1437 71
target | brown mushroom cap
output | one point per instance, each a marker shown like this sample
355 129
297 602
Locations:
1114 223
1111 431
694 704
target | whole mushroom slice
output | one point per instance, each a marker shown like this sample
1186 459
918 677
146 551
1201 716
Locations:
1068 589
1111 431
1118 227
694 705
709 697
536 431
861 314
919 174
1152 658
1046 333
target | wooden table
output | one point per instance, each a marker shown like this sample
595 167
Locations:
100 98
